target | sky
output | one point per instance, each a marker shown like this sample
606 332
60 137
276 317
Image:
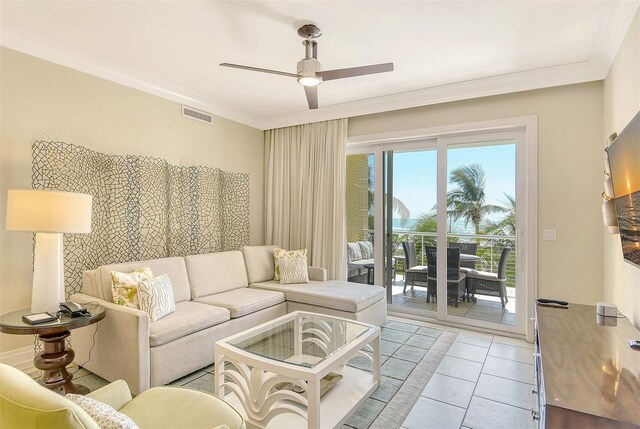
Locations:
414 175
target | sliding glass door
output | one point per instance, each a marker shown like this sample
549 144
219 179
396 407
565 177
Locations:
443 219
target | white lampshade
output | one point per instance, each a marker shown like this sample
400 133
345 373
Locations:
48 211
49 214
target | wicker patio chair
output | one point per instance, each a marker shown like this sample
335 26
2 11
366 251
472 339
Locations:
456 284
491 284
469 249
414 274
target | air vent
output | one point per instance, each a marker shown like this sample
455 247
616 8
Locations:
198 115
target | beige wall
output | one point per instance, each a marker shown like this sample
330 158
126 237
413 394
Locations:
621 103
43 100
569 174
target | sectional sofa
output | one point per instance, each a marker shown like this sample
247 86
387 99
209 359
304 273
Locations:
216 295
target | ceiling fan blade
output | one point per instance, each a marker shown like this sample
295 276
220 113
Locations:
238 66
356 71
312 96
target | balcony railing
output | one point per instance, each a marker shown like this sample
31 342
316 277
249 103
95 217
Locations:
489 248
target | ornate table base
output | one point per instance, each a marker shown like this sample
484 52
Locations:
53 361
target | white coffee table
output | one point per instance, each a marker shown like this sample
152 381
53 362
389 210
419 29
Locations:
299 348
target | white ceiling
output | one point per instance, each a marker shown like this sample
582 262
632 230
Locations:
442 50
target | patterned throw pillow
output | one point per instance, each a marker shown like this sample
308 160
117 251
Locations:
156 297
105 416
281 253
366 248
124 286
353 252
293 270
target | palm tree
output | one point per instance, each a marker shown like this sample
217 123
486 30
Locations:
467 201
506 225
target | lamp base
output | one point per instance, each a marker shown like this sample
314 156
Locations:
48 273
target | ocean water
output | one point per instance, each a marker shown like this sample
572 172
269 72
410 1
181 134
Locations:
458 227
628 210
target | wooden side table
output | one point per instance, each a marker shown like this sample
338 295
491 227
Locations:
55 357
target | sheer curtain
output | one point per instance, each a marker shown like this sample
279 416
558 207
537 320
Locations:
305 192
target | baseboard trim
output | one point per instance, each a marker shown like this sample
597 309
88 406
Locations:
21 359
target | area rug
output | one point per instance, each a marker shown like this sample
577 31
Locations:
411 352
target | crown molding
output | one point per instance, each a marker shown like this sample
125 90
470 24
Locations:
27 43
620 16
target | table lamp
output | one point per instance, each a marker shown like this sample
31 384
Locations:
49 214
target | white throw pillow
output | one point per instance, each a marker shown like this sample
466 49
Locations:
293 270
105 416
287 254
156 297
366 247
353 252
124 286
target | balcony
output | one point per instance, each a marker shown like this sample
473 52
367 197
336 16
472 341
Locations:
486 308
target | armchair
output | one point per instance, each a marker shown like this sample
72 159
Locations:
26 404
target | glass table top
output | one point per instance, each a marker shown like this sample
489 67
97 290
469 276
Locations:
304 339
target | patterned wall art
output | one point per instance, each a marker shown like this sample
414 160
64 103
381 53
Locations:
143 208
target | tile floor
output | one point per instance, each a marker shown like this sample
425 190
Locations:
484 381
487 308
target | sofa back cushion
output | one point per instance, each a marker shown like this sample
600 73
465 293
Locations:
260 263
174 268
216 272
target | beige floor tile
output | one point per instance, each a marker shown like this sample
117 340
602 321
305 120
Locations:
510 369
485 414
428 414
416 304
460 368
468 351
486 310
506 391
506 351
512 341
483 316
475 338
451 390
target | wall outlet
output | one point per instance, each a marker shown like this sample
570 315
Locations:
549 235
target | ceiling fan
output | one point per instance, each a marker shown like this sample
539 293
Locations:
310 73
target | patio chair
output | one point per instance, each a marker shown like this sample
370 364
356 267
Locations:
469 249
456 283
491 284
414 274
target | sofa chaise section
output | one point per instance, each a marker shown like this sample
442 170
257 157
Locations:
356 301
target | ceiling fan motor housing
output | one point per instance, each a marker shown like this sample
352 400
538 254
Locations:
309 68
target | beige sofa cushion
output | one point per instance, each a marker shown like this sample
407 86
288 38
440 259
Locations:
259 262
174 268
241 302
340 295
188 318
216 272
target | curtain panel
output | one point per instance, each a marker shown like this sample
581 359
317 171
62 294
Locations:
305 192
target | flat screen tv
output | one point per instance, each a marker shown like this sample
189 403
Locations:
624 165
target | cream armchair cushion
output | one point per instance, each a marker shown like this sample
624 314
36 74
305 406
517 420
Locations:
26 404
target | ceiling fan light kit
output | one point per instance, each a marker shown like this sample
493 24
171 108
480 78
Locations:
309 69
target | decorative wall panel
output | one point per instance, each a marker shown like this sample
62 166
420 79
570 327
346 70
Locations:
143 208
